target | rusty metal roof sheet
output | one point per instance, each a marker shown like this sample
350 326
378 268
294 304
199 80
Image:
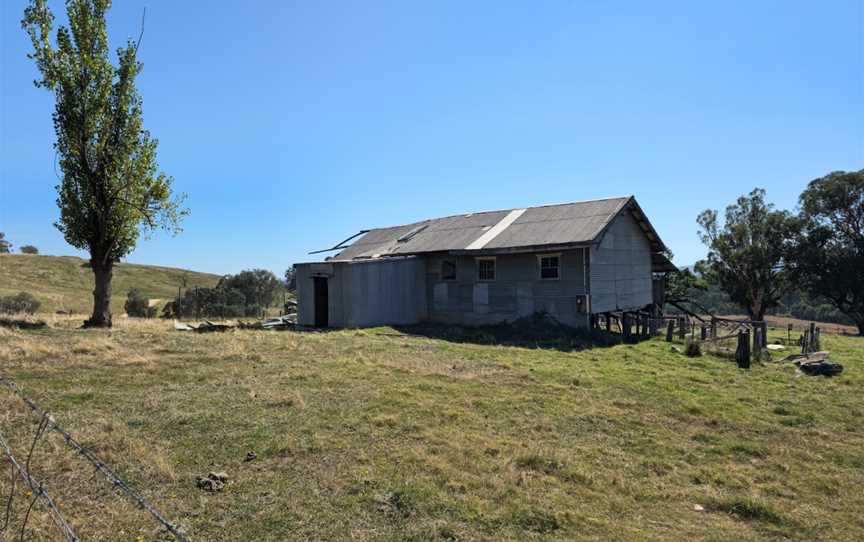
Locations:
577 223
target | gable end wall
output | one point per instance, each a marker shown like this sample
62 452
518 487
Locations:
620 268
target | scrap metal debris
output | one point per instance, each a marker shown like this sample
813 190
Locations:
180 326
288 321
22 324
815 364
208 327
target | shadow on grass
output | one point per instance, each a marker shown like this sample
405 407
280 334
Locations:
536 331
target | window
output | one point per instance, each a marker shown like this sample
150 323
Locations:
550 267
448 270
485 269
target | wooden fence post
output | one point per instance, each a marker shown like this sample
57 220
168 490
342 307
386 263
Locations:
682 332
713 327
625 326
817 340
757 342
703 332
742 354
670 329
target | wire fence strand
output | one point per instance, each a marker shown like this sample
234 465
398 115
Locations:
38 493
100 466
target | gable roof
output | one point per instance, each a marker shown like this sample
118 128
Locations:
559 226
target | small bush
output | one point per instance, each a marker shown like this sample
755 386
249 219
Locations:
693 349
137 305
20 302
29 249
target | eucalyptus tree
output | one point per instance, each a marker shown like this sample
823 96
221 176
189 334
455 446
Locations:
111 190
746 253
827 254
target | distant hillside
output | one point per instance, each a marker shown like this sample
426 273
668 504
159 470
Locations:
66 282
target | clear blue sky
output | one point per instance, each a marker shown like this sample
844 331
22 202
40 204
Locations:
292 125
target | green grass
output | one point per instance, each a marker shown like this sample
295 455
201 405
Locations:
66 282
367 435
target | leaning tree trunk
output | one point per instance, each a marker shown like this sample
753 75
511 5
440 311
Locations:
102 273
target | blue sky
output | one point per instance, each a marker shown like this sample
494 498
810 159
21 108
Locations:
291 125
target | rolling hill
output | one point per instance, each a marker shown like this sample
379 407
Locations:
66 282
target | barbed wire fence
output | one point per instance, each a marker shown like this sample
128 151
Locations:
38 490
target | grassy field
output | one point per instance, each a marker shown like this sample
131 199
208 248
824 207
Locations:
66 283
375 435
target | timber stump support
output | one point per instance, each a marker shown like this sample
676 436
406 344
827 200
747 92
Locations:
742 354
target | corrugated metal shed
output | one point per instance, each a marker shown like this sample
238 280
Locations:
568 224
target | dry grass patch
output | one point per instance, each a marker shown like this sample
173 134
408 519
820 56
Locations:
366 436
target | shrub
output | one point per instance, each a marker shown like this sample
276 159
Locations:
693 349
20 302
29 249
137 305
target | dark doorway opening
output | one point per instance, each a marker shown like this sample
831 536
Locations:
322 302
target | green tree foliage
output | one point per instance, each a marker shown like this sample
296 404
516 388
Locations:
5 246
29 249
244 294
137 305
827 255
110 190
22 302
745 255
291 279
219 302
258 286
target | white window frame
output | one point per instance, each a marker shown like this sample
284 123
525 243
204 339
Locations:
540 265
455 271
494 268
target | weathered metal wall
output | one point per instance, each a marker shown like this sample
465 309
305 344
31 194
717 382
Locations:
517 290
305 290
384 292
367 293
620 268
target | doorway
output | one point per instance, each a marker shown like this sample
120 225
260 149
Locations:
322 301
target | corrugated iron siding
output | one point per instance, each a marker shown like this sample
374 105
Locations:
364 294
621 268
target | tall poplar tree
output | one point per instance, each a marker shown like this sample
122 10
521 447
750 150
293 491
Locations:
111 190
